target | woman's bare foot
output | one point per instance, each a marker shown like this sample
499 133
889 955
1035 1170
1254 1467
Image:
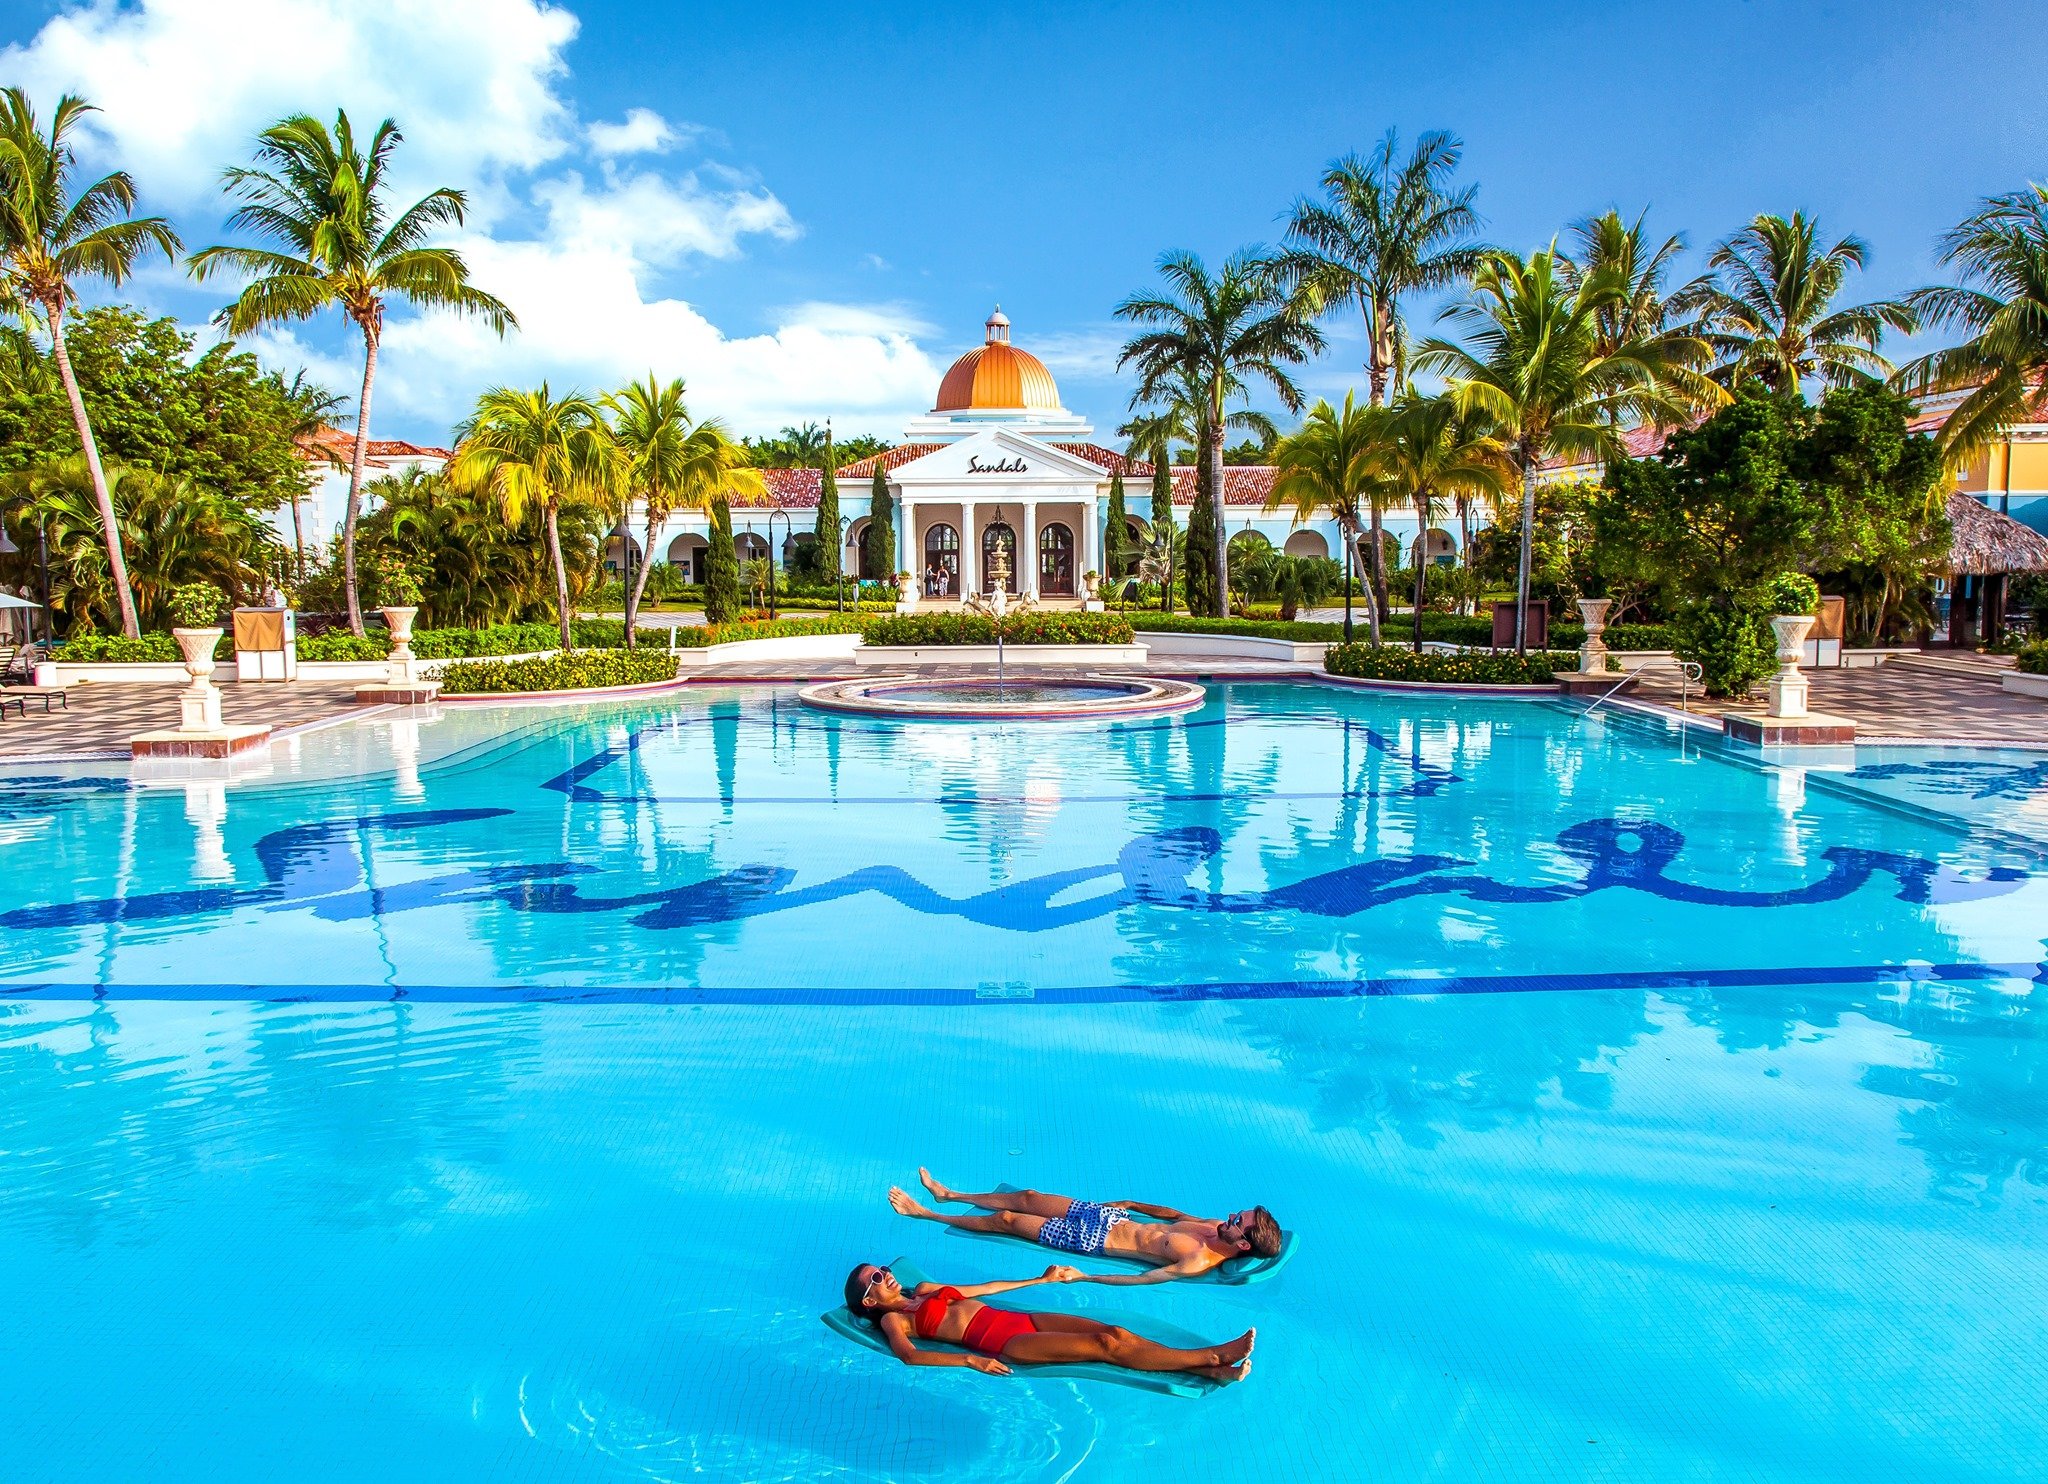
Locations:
903 1203
1227 1374
939 1192
1238 1350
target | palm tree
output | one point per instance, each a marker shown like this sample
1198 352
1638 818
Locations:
807 445
1432 452
2002 305
1643 315
50 239
666 461
1383 232
1330 467
1532 368
321 197
1768 312
532 450
1216 332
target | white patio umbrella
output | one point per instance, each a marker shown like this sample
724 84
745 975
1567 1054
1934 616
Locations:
8 600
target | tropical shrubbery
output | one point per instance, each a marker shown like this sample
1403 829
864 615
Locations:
2033 658
1386 662
1257 628
582 669
784 628
1021 628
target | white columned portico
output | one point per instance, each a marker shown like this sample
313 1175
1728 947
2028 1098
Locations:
1027 552
906 533
1089 537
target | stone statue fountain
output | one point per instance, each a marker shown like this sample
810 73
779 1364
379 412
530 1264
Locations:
996 604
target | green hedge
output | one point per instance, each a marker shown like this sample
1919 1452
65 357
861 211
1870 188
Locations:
1256 628
1392 662
115 649
2033 658
342 645
1023 628
703 636
583 670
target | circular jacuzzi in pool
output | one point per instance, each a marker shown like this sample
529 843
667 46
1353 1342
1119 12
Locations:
1066 698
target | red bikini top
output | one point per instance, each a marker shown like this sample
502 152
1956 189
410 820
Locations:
931 1312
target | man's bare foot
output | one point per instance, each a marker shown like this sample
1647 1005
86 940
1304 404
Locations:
1239 1349
904 1204
1227 1373
939 1192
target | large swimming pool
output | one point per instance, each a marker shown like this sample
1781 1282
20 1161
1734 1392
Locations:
506 1094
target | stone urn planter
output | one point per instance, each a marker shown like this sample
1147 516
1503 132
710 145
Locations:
199 702
906 592
1788 686
1593 653
404 668
1091 592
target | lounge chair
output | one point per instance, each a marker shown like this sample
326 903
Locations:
21 695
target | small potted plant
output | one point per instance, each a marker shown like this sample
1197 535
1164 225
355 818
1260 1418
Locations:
1794 601
196 608
400 591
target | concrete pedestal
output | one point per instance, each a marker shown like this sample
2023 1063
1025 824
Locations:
1811 730
398 693
1577 683
219 742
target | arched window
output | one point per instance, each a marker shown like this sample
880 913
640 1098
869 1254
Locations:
1056 561
687 554
941 575
749 547
998 536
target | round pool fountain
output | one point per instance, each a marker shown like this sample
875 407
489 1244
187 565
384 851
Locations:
1061 698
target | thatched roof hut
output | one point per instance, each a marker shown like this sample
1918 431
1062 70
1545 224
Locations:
1987 543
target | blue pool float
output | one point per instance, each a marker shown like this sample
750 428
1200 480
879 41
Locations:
1234 1273
842 1321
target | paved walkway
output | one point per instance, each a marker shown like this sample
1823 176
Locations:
102 717
1931 696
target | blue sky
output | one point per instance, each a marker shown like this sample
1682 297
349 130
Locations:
816 205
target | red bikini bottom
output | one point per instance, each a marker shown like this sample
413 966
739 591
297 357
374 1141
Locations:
991 1329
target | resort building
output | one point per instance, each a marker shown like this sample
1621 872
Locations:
997 464
327 451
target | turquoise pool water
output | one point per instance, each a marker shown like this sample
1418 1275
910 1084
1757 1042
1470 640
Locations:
505 1095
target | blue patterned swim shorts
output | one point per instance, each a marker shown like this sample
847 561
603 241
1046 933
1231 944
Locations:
1084 1228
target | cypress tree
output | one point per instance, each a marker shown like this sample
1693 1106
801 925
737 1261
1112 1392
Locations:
1114 531
722 581
881 539
1162 518
827 529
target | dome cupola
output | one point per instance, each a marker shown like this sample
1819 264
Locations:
998 377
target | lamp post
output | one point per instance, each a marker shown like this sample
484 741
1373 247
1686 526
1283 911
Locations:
786 535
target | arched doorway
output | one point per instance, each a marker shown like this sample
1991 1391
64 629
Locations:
1307 544
997 536
1435 547
615 551
1056 561
854 561
941 556
749 547
687 555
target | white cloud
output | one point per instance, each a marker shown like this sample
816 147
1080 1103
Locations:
1082 353
660 219
643 131
184 85
584 257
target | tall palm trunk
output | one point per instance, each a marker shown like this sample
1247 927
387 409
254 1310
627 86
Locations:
1350 552
1528 546
561 576
117 562
1213 452
355 484
1425 516
1381 609
1464 546
298 538
638 586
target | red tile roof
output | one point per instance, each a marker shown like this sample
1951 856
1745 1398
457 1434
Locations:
337 446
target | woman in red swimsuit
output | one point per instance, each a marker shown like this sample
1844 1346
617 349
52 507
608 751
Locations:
957 1316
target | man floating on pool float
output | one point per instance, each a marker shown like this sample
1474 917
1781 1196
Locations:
1172 1244
991 1336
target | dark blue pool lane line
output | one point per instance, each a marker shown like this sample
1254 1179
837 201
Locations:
1085 994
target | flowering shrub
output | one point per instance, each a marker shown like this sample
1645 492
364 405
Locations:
1020 628
582 670
1475 667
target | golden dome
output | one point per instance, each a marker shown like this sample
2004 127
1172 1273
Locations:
998 377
